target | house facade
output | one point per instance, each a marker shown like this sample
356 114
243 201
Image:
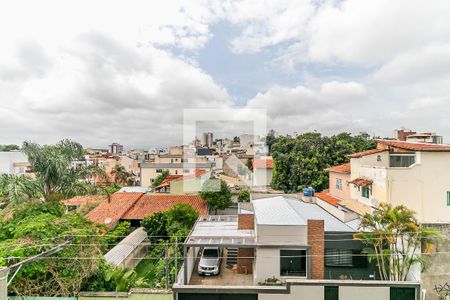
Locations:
416 175
282 248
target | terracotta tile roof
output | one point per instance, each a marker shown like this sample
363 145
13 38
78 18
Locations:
263 163
110 212
328 198
82 200
168 179
364 153
361 182
344 168
415 146
149 204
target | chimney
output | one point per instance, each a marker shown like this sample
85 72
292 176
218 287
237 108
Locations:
246 221
316 241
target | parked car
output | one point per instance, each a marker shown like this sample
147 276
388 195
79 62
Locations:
210 261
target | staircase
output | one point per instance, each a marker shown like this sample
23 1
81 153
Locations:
232 254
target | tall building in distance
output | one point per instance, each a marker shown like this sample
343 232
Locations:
116 148
207 139
406 135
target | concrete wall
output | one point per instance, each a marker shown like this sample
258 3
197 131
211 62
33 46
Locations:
284 235
298 292
134 294
437 270
262 177
267 264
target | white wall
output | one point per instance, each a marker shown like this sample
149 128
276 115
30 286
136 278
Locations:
7 159
267 264
298 292
282 235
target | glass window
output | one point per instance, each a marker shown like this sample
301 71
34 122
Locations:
158 170
293 262
331 293
448 198
345 258
365 192
401 160
338 183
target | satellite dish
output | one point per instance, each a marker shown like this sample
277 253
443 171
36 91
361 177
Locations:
107 220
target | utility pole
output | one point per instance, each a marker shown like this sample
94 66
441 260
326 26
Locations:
176 259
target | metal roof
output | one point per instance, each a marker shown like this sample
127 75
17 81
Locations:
292 212
134 189
220 230
121 251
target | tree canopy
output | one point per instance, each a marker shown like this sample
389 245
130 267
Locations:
216 193
9 147
158 180
301 161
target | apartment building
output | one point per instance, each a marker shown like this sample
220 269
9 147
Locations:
282 248
14 163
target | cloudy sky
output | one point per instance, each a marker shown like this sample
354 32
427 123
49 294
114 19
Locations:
103 71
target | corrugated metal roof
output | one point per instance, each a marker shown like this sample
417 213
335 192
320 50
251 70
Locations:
121 251
286 211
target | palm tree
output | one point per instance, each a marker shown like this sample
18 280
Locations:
14 189
121 175
395 240
56 170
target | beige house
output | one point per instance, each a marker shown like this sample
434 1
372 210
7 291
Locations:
416 175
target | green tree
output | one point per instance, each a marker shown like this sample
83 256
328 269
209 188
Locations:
55 170
9 147
158 180
156 225
121 176
217 194
124 279
180 216
395 240
301 161
244 196
15 189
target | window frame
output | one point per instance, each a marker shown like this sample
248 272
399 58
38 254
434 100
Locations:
403 162
303 260
365 188
338 183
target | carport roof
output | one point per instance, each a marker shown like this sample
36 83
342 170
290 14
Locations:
219 230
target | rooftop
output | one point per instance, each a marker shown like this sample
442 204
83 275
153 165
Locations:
149 204
263 163
220 230
122 250
82 200
364 153
131 205
286 211
411 146
328 198
344 168
177 165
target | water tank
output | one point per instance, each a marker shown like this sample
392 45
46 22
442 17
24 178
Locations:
308 192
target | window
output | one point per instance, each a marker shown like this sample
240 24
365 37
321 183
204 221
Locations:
293 262
365 192
448 198
401 160
331 293
176 172
350 258
185 171
338 183
159 170
402 293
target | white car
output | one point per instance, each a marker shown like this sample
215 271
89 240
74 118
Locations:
210 261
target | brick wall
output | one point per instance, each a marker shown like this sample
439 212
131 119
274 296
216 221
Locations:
246 221
316 241
245 260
